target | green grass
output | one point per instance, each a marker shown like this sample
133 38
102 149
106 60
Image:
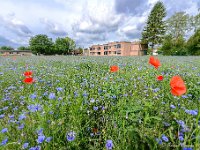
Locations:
129 107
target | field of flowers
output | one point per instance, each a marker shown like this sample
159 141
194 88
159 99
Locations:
88 103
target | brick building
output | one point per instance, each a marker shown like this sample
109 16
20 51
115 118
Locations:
16 53
118 49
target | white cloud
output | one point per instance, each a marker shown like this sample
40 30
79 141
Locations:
54 28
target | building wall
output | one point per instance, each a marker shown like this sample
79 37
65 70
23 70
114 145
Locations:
16 53
118 49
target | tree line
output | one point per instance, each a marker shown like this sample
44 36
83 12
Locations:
171 35
42 44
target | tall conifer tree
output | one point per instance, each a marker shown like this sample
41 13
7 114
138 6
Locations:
154 30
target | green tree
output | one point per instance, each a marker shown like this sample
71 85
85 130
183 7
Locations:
193 44
72 44
7 48
178 25
64 45
154 30
41 44
172 47
23 48
195 21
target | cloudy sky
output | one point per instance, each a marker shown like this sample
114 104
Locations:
86 21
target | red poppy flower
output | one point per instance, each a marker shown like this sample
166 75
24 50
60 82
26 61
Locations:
28 73
114 68
178 87
28 80
155 62
160 78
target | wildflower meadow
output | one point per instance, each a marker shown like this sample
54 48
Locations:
99 103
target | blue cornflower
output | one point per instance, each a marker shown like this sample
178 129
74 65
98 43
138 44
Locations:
60 98
51 112
4 130
40 139
109 144
38 107
114 96
184 96
75 94
172 106
159 141
40 131
48 139
71 136
4 142
59 89
181 123
181 134
33 96
45 93
2 116
21 126
156 90
95 108
5 108
52 96
181 138
85 94
11 116
31 108
187 148
34 108
164 138
15 108
92 100
192 112
25 145
22 116
100 90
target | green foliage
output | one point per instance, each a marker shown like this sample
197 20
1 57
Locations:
195 21
23 48
154 30
132 108
193 44
172 47
64 45
41 44
6 48
177 25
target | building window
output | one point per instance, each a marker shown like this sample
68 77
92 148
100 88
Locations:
117 46
105 47
90 48
115 52
105 53
118 52
99 48
99 53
